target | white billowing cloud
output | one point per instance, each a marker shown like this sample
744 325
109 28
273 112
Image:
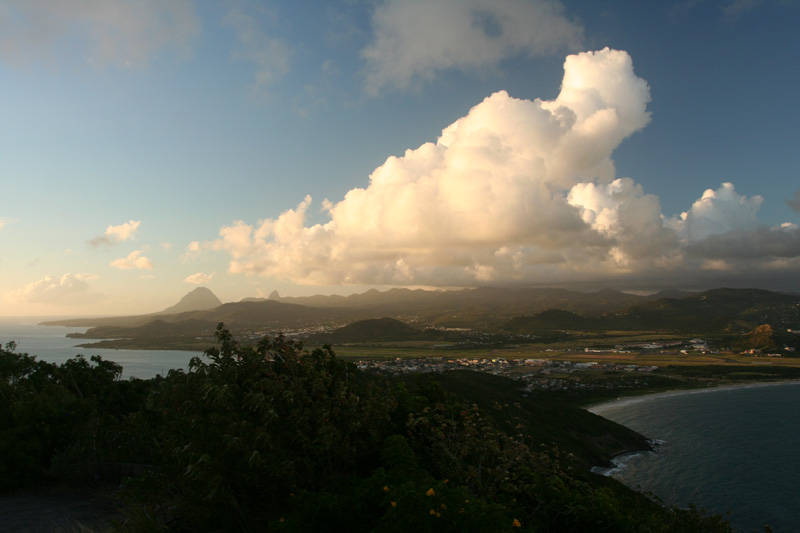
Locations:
269 55
117 234
721 232
69 289
199 278
4 221
718 212
122 33
487 201
134 259
123 232
518 191
414 39
625 215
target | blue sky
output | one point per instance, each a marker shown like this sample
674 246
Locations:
328 147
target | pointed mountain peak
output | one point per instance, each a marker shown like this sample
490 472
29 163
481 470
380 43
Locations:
200 299
274 296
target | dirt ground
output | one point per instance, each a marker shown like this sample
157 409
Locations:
59 510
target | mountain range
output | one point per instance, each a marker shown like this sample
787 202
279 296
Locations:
486 306
516 311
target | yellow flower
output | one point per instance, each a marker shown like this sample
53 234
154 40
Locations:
516 523
430 492
394 504
443 506
431 512
385 488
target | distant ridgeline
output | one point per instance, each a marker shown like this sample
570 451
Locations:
434 315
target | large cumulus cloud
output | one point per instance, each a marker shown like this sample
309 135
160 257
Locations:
517 190
717 212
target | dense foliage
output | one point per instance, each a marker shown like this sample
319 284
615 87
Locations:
272 438
63 420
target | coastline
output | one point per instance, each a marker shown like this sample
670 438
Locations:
622 401
619 460
720 461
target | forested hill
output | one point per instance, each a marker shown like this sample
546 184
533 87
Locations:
374 330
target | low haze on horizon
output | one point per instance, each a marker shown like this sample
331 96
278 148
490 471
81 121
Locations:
147 148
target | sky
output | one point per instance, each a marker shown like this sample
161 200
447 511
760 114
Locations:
329 147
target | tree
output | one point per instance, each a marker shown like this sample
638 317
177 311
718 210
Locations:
255 424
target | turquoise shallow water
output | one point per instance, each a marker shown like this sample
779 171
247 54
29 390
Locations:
731 450
49 343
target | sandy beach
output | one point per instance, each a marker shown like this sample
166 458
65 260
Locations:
600 408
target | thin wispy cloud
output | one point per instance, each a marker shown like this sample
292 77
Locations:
733 11
120 33
69 289
794 203
268 54
415 40
738 8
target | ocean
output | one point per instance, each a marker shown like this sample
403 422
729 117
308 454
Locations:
729 450
49 343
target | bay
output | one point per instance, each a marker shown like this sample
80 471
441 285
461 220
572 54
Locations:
728 450
50 344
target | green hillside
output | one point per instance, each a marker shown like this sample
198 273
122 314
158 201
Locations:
545 418
374 330
553 319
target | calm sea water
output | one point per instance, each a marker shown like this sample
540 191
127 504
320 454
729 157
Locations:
735 449
49 343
